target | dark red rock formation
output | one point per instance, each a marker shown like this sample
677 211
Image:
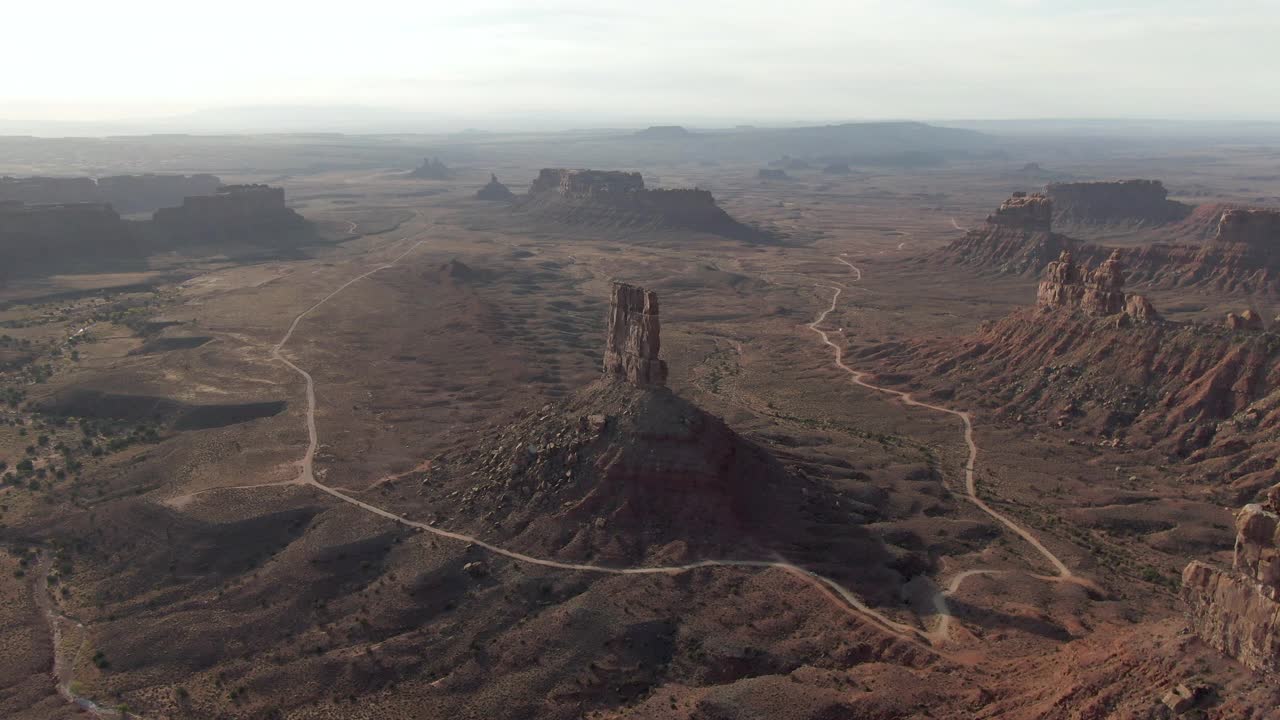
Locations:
632 343
237 214
125 193
495 191
1144 202
620 199
432 169
1237 611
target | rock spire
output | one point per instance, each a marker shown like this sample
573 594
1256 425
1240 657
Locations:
632 344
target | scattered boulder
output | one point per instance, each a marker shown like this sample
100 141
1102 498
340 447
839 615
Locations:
1247 321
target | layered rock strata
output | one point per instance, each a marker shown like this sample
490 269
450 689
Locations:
632 342
1237 611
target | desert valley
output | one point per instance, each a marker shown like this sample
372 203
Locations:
867 420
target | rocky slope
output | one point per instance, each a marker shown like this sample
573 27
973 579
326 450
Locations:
621 200
1082 359
625 471
1237 611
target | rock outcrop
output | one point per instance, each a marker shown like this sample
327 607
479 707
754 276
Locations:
1247 320
772 174
618 199
632 341
495 191
235 214
1098 292
1142 202
125 193
1237 611
432 169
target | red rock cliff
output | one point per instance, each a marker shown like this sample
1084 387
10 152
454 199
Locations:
1143 202
1237 611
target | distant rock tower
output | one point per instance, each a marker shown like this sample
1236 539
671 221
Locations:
632 344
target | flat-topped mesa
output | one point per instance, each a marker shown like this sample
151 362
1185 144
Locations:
235 213
1237 611
632 343
1115 201
1098 292
1030 212
1253 227
615 199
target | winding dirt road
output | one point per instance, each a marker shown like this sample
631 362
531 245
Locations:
848 599
970 477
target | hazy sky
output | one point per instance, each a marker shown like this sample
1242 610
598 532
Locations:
649 60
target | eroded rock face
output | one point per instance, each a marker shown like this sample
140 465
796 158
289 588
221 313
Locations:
632 344
1143 202
1098 292
1237 611
495 190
